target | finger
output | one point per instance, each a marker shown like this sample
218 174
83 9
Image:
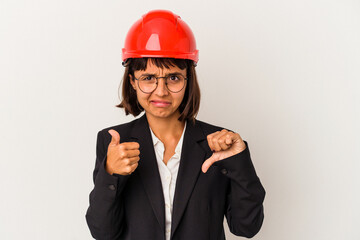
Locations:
123 153
209 139
115 137
225 141
130 145
228 139
208 163
234 137
133 167
134 160
132 153
215 140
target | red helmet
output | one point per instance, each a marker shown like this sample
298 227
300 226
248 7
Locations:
160 33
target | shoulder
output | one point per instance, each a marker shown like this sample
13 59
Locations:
123 129
209 128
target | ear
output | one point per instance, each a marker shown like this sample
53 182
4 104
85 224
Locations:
132 82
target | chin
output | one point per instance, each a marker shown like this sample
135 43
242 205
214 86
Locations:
161 113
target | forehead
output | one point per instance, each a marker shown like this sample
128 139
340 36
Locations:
152 68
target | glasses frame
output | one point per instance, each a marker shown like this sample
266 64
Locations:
185 78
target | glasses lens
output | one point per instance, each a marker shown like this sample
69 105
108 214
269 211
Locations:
147 83
175 82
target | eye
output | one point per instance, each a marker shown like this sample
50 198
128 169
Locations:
174 77
147 78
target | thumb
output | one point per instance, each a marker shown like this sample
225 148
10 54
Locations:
208 162
115 137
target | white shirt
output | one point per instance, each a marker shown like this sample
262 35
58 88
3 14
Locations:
168 175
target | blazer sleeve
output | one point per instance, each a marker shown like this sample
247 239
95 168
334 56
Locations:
105 214
244 204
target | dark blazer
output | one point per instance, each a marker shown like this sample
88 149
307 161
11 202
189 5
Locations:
132 207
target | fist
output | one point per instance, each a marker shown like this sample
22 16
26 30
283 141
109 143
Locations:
224 144
122 158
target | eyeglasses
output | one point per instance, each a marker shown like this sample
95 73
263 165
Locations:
174 82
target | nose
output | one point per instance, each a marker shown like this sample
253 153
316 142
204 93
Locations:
161 89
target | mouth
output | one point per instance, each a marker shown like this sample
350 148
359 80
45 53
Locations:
160 103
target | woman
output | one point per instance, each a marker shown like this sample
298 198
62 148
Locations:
167 175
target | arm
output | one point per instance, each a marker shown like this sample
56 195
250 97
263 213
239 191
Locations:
244 205
105 215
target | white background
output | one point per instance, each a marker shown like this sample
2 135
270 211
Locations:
283 74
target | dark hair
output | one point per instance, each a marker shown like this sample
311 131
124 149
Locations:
190 104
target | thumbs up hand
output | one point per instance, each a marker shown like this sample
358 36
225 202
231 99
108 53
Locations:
122 158
224 144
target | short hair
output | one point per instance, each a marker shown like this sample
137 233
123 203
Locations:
190 104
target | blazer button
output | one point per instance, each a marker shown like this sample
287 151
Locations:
112 187
224 171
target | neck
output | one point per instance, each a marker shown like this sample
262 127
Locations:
166 128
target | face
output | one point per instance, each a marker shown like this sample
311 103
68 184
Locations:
150 101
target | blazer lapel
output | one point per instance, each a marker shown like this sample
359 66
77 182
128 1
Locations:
148 169
192 158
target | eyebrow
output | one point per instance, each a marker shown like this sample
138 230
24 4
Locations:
152 74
